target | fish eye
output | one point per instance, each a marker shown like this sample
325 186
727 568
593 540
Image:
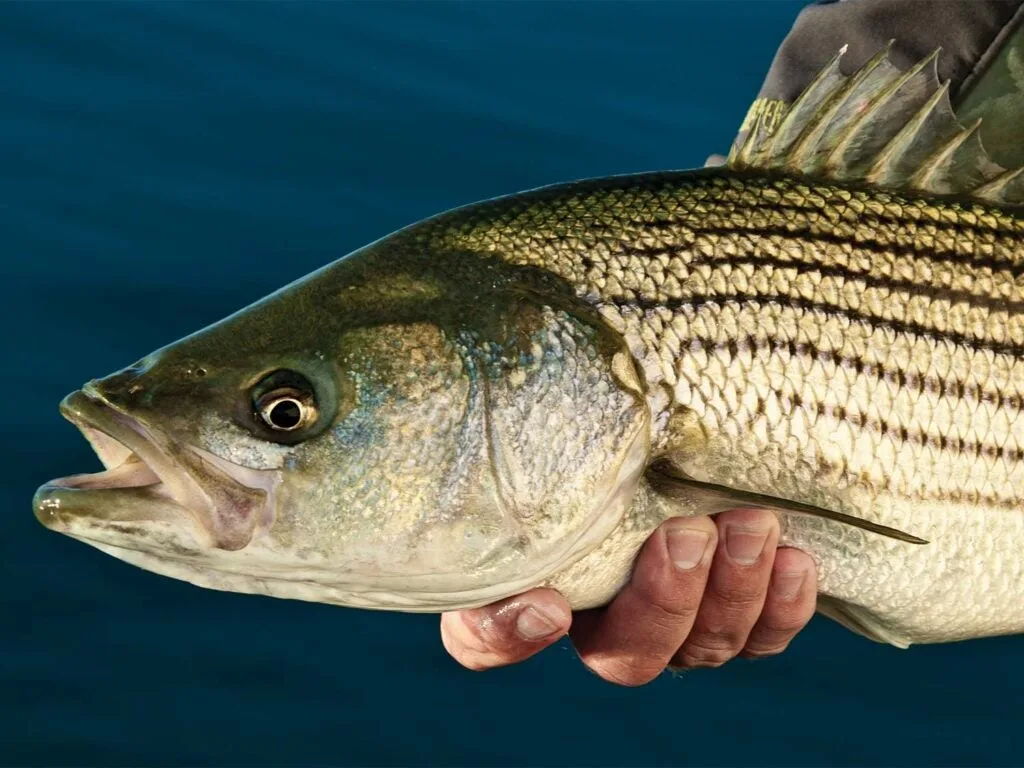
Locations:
286 410
284 403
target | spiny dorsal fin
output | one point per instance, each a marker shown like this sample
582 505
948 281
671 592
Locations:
881 126
862 147
769 139
1003 188
843 107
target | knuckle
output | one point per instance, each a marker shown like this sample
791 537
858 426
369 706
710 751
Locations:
474 663
740 585
471 634
664 595
755 651
709 651
467 630
787 618
466 657
785 622
469 650
622 672
773 633
702 659
661 623
741 595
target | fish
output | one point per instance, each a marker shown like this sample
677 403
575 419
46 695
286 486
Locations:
517 392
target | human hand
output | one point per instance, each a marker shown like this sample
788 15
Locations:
733 592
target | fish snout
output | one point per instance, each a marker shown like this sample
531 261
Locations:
125 388
46 504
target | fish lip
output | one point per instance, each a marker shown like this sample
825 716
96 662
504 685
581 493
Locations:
133 455
215 494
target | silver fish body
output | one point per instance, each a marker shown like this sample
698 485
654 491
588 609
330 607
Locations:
846 348
517 392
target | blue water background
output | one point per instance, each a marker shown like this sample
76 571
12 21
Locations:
162 165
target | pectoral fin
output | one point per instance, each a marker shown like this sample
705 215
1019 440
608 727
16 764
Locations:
668 479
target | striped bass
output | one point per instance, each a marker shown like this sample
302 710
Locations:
516 393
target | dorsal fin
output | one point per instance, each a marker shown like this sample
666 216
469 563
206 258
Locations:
1003 188
880 126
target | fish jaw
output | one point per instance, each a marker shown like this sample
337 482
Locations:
270 568
154 495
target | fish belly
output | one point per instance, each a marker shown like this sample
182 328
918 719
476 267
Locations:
968 581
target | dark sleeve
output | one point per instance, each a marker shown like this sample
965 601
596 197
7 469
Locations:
971 33
968 31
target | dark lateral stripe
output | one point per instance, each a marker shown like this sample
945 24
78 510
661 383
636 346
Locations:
930 291
951 496
687 254
738 199
923 438
966 497
1013 262
910 381
808 219
805 305
806 215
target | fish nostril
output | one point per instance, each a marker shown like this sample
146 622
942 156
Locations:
124 387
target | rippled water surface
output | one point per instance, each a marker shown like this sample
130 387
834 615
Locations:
162 165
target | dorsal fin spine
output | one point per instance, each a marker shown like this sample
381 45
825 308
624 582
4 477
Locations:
899 143
927 172
810 137
742 157
836 156
992 191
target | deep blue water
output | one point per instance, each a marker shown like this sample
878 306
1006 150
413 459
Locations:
162 165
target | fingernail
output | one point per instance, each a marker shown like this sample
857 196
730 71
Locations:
533 624
788 585
745 545
686 547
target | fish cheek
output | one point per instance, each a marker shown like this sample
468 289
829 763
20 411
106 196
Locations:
568 431
487 461
383 488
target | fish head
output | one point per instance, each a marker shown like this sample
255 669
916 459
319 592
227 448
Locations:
392 438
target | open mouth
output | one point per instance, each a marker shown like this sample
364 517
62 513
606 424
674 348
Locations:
131 455
149 478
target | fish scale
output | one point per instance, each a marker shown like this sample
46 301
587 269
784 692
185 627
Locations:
803 342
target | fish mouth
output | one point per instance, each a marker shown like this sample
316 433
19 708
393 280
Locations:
149 481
